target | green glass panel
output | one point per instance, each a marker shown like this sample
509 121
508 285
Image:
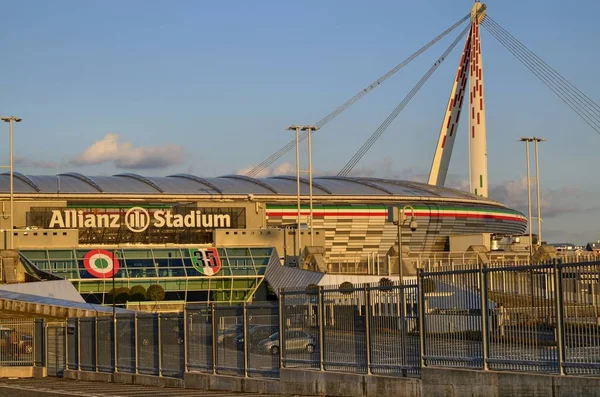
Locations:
198 284
237 252
33 255
60 254
136 254
261 252
167 253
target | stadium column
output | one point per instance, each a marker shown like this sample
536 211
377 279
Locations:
477 131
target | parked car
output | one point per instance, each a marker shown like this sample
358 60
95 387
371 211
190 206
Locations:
256 334
295 340
13 342
227 336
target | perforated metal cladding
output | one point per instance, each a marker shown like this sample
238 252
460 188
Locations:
352 231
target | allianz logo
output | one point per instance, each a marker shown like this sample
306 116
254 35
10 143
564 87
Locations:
138 219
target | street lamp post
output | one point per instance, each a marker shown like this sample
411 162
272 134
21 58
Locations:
399 219
537 185
296 128
309 129
10 120
536 140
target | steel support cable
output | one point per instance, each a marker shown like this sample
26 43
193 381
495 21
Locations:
576 101
550 69
586 114
289 146
379 131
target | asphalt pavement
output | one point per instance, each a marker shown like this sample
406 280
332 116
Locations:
52 387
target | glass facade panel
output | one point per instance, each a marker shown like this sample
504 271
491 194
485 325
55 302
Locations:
140 268
33 255
135 254
60 254
171 268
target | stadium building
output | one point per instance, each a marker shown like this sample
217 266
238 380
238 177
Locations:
211 239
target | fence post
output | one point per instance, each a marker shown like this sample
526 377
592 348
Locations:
78 345
45 347
43 343
185 341
96 342
558 303
421 306
367 293
402 314
115 343
159 347
66 344
214 338
281 321
135 342
245 328
321 314
484 314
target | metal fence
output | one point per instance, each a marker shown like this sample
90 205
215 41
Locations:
211 338
542 318
539 318
370 329
17 342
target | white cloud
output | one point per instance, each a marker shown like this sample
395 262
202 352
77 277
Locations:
126 155
28 163
285 168
554 202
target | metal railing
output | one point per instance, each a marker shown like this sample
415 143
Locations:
545 318
537 318
210 338
17 342
366 329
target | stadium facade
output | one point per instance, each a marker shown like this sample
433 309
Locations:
211 239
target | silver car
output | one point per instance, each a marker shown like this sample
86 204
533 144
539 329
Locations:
295 340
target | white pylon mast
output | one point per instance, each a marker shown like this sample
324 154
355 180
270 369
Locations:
443 150
470 63
477 133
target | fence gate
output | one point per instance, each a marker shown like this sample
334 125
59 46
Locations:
55 354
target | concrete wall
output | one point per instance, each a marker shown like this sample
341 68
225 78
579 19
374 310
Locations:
448 382
41 238
21 209
16 372
267 238
435 382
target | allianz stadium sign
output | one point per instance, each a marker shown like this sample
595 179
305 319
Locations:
137 219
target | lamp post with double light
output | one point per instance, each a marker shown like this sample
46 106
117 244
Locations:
400 218
10 120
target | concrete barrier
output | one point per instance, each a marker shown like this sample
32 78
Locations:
449 382
434 382
40 372
326 383
16 372
205 381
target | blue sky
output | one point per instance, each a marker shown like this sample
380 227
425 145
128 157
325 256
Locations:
208 87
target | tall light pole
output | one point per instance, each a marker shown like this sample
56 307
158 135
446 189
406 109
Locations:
537 185
536 140
309 129
10 120
527 140
399 218
297 129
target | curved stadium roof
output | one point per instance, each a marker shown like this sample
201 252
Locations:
186 184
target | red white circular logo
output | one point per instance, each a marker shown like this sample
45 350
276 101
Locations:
101 263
